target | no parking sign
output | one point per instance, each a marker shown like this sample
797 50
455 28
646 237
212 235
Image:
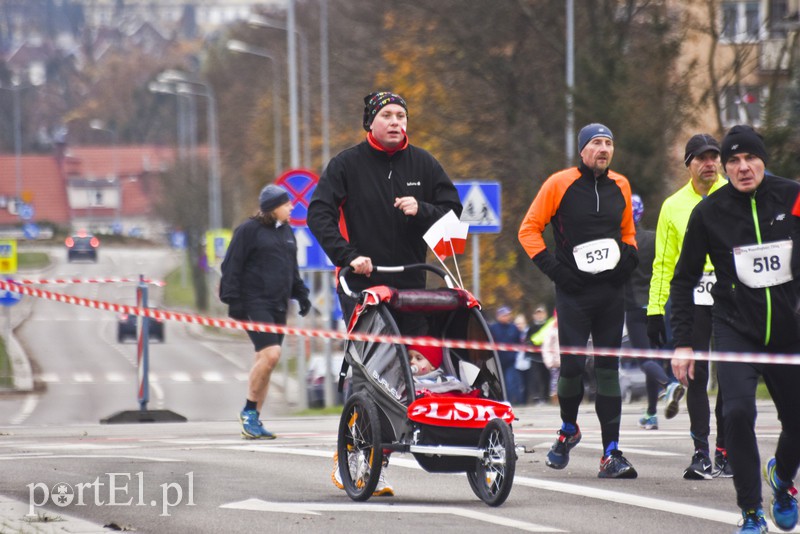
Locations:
300 183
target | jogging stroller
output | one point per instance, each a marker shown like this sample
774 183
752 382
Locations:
385 412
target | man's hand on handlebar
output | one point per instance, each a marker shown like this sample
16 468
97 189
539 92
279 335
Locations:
362 265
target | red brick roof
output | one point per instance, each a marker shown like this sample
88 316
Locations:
42 180
45 183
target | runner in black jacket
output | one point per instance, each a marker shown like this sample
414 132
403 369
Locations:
372 206
749 231
375 200
259 276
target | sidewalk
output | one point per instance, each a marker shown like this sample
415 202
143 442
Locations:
14 521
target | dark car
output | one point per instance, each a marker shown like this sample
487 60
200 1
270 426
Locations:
126 328
82 245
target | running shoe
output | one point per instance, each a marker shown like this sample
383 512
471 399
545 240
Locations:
784 505
753 522
252 427
700 468
722 469
383 489
336 475
616 466
649 422
672 399
558 457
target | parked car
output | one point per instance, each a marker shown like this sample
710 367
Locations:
82 245
315 380
127 328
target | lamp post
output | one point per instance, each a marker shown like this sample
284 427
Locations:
570 130
182 84
244 48
99 126
291 30
324 82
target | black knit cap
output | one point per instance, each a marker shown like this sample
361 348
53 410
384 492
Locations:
698 144
373 103
743 139
271 197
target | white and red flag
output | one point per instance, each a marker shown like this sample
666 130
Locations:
447 236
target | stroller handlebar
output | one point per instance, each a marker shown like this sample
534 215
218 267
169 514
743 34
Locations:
395 269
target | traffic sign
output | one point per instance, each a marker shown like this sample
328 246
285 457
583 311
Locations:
481 202
9 298
178 239
8 256
25 211
310 256
300 183
31 230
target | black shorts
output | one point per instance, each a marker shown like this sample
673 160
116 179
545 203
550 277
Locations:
262 340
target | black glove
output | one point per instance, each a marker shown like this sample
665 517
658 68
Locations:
563 276
657 330
236 311
305 306
569 281
628 262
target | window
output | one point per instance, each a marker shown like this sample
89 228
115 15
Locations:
742 105
741 21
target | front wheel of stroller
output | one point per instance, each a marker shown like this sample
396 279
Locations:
359 447
494 473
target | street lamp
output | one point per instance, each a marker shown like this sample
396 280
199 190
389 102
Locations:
244 48
98 125
290 29
182 82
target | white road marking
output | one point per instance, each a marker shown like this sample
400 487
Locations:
315 509
212 376
617 497
28 406
599 447
49 378
82 377
180 377
115 377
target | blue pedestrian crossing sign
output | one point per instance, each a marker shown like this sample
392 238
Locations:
310 256
9 298
481 206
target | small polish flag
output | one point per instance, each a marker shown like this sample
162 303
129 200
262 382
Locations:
447 236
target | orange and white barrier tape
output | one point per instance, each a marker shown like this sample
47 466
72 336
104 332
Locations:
64 281
164 315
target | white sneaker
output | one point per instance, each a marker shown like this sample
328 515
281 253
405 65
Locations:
383 489
336 476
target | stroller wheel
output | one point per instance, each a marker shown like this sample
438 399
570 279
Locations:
359 447
494 473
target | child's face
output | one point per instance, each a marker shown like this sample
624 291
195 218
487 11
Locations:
423 365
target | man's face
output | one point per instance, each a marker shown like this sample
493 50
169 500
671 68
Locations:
389 125
597 154
746 172
704 168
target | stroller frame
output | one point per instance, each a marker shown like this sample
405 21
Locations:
386 413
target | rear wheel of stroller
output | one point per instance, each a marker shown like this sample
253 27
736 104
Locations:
359 447
494 473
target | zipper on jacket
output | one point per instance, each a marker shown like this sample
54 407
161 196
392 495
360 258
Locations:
390 170
767 293
596 195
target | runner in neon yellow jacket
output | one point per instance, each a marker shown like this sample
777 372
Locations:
703 163
671 227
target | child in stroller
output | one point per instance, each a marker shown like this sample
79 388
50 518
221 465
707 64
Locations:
425 366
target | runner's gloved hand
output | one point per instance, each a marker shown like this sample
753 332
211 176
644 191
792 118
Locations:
305 306
236 311
564 277
657 330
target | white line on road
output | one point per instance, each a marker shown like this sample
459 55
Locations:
310 508
27 409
